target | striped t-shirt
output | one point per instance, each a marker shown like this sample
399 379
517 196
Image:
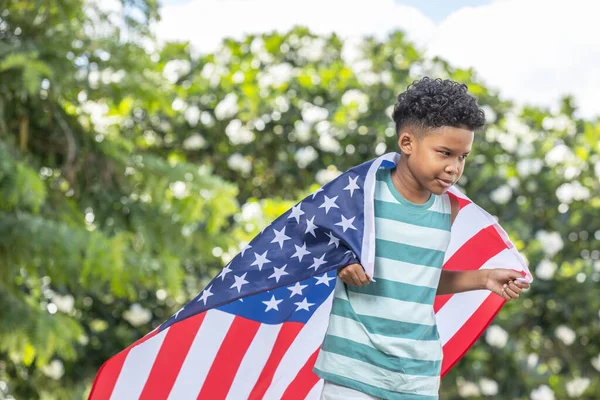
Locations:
382 338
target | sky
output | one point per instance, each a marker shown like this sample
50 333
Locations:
532 51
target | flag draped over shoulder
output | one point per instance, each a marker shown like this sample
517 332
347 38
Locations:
255 331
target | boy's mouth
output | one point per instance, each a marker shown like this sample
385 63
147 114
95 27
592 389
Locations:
444 182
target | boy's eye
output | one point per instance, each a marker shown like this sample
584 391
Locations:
446 153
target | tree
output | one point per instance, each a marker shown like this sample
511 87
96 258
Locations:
96 214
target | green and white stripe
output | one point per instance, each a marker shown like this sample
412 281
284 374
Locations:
382 338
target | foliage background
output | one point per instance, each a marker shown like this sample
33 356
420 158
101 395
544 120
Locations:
132 170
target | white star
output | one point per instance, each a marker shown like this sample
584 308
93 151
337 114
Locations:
296 213
224 272
317 262
310 226
304 305
297 289
352 185
329 203
323 279
177 313
272 304
300 252
279 272
280 237
333 240
205 295
317 191
346 223
245 248
239 282
261 259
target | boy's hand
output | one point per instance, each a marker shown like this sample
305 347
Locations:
353 274
504 283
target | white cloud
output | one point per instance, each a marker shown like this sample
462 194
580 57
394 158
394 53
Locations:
533 51
207 22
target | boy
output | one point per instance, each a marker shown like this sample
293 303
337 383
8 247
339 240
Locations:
373 350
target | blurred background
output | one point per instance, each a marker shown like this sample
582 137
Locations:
142 144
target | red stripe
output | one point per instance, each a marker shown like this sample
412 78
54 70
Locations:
461 202
170 358
303 382
471 330
286 336
107 376
476 251
228 358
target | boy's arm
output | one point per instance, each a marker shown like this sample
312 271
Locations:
501 281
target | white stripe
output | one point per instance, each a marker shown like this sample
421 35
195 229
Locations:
453 315
309 339
375 376
315 392
254 361
441 204
200 357
382 193
469 221
137 367
368 244
413 235
393 309
413 274
347 328
454 190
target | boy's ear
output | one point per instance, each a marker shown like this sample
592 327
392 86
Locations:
405 142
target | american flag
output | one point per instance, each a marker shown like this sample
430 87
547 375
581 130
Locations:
255 331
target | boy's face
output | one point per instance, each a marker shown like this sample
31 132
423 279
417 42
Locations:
437 160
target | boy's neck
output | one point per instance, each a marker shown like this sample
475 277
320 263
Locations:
406 184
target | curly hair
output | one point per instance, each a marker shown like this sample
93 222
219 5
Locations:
432 103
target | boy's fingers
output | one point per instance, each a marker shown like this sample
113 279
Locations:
511 294
356 278
362 277
514 287
515 274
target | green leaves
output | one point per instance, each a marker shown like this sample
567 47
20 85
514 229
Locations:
32 69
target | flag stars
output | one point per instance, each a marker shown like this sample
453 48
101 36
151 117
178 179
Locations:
300 252
261 259
246 248
280 237
279 272
352 186
272 304
317 262
303 305
333 240
296 213
323 279
329 203
317 192
206 293
224 272
179 312
297 289
239 282
310 227
346 223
